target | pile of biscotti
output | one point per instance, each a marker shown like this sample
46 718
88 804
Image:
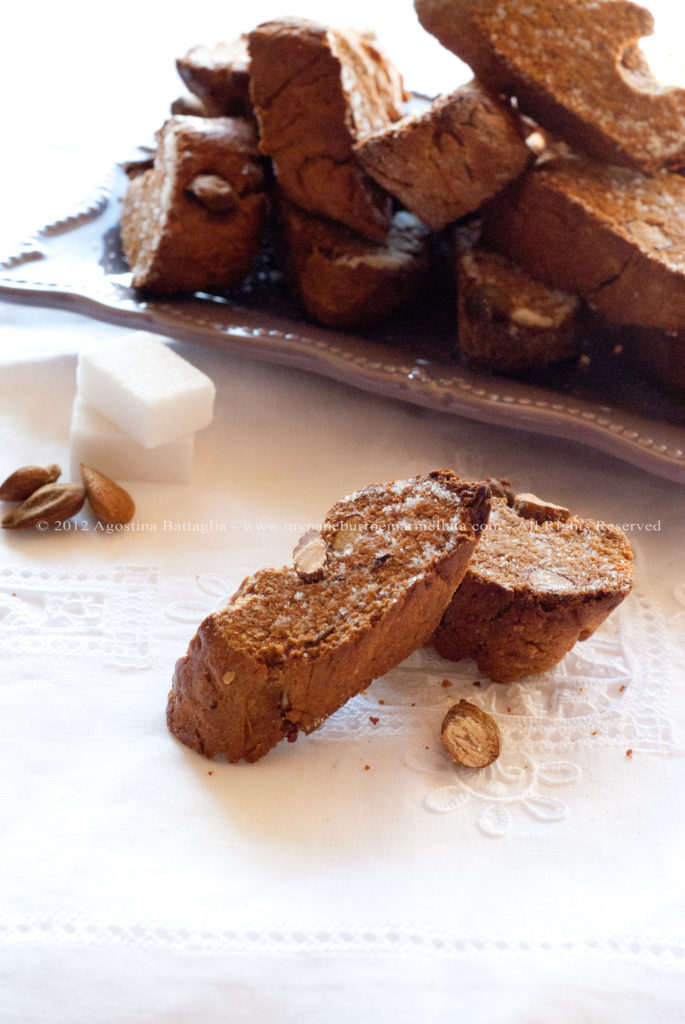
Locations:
510 581
555 173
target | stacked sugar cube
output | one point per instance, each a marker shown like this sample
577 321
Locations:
138 405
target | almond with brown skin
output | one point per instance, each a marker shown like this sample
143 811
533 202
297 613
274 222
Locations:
52 503
110 502
309 557
470 736
212 192
21 484
531 507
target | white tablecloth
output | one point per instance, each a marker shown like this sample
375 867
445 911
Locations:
355 875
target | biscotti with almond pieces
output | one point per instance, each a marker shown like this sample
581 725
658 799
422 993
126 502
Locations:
508 321
194 220
575 66
446 161
315 90
612 234
342 279
294 644
540 580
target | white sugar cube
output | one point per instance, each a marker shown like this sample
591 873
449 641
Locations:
145 388
101 444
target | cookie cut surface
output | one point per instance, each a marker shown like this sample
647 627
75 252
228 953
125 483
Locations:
286 653
342 279
508 321
534 587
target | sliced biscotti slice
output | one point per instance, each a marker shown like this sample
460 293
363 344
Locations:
342 279
294 644
614 235
194 220
540 580
447 160
573 65
315 90
508 321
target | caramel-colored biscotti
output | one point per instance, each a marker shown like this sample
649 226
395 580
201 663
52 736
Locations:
342 279
447 160
508 321
315 90
540 580
294 644
194 220
573 65
614 235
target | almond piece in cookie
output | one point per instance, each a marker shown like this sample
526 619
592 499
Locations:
529 506
309 557
285 654
534 587
573 65
508 321
315 90
446 161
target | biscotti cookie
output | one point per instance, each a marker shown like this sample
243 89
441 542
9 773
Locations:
314 91
342 279
447 160
539 581
508 321
219 76
573 65
194 220
294 644
612 234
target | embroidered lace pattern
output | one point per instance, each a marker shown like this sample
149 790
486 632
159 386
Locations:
79 612
396 939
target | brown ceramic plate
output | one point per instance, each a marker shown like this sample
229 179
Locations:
75 263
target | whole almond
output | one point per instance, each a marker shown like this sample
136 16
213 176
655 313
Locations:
49 504
109 502
470 736
21 484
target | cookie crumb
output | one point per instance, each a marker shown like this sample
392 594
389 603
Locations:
629 752
373 719
367 767
445 683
